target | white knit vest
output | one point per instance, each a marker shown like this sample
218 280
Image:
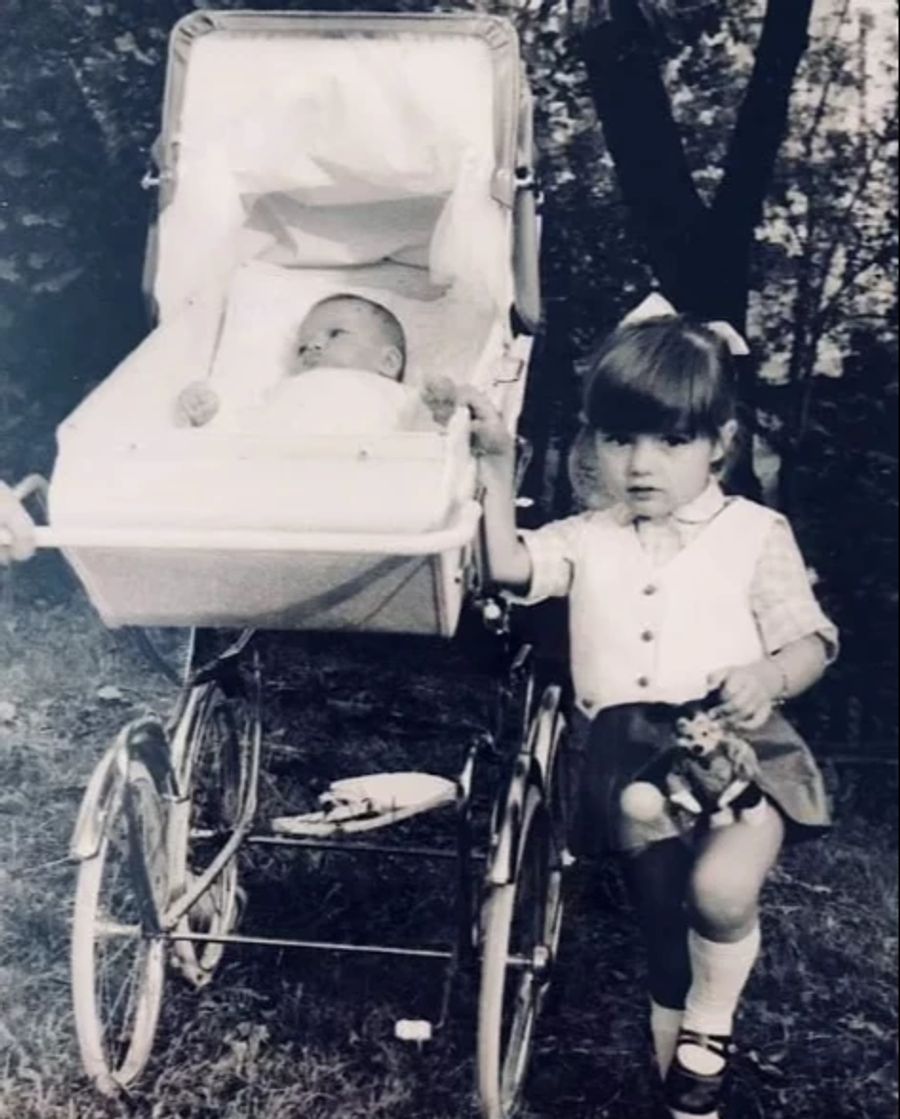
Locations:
645 634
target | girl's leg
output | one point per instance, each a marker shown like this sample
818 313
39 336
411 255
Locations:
723 943
657 880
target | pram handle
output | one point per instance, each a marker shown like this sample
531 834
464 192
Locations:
457 534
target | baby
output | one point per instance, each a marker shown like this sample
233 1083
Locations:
342 331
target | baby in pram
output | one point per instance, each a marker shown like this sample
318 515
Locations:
360 348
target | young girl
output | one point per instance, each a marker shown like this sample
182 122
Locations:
675 592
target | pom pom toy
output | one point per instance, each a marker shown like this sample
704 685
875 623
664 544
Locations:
196 405
440 397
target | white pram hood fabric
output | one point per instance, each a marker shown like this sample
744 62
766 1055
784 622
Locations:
271 124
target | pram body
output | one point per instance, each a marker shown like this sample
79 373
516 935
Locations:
177 527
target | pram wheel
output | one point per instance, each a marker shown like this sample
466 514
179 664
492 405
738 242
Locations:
118 958
520 933
212 757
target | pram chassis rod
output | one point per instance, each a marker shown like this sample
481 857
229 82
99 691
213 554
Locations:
459 533
328 946
352 847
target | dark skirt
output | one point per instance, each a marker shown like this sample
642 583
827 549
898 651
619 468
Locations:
622 743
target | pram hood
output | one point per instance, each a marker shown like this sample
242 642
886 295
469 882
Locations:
288 125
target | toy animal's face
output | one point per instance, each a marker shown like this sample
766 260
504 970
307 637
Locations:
699 735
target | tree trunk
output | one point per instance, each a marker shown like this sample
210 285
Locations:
700 255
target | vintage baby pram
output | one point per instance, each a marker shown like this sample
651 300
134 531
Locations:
300 154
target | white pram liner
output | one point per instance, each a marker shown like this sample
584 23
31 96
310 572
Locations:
222 528
123 462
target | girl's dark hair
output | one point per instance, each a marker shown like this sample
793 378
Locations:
662 376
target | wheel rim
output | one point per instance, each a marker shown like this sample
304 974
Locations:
522 927
117 961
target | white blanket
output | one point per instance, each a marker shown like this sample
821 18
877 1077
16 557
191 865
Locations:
327 401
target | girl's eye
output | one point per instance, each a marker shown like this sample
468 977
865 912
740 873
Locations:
615 438
677 440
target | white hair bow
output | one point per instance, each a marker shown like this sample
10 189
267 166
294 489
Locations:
656 306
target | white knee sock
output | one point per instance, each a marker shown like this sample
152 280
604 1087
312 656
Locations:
664 1026
719 973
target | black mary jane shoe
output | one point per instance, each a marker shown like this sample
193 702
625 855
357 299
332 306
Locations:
697 1093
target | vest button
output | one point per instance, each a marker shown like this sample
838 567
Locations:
647 635
643 682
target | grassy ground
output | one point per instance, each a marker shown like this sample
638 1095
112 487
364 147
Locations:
290 1036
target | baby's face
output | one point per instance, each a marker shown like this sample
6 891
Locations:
345 334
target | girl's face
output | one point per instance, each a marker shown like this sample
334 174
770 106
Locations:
656 474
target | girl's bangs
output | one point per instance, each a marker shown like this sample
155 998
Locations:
657 380
661 408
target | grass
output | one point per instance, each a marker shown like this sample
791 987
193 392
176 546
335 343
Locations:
285 1036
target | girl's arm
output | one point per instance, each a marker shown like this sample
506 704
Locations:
750 691
799 638
798 666
509 563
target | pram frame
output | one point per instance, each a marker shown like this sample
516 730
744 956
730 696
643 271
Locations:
526 839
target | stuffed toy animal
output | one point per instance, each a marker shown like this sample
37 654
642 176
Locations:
709 773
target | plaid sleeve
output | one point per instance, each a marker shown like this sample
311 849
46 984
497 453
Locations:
552 552
781 595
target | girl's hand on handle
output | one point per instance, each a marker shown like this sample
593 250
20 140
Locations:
747 694
489 436
17 541
508 562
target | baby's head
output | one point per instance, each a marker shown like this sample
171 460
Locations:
351 332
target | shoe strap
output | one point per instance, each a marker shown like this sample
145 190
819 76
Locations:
719 1044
